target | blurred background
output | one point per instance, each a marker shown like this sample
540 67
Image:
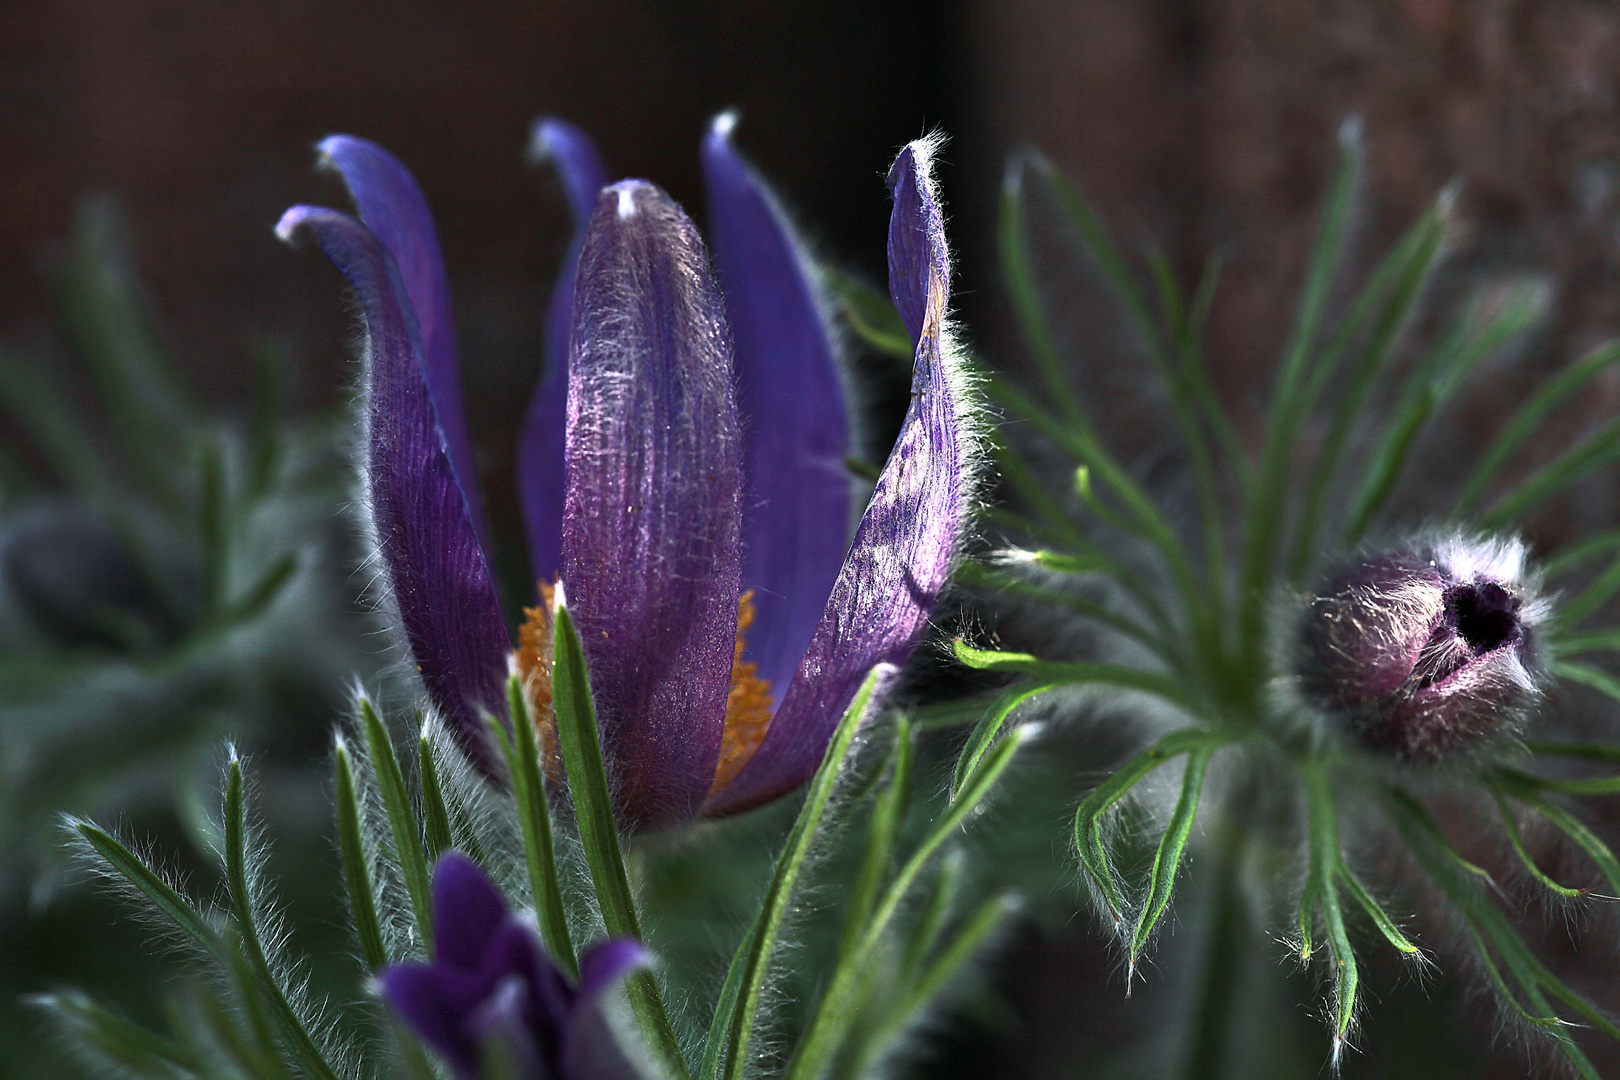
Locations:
1196 125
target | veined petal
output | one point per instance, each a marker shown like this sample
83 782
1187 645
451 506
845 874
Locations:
901 555
540 446
393 207
650 528
796 490
424 534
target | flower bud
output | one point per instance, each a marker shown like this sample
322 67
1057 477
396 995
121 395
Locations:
1422 651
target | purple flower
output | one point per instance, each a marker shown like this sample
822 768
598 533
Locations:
681 473
1425 650
491 990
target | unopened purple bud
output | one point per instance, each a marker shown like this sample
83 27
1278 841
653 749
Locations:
1425 650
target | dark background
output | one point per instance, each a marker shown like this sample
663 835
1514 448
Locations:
1194 125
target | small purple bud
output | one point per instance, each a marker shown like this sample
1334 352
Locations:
1424 650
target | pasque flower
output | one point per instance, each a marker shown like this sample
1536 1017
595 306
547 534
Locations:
681 474
1427 649
491 991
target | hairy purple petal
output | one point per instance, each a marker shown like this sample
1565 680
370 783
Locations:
901 555
430 552
540 446
393 207
795 431
650 532
1423 651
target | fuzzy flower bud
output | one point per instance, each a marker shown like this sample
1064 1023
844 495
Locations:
1424 650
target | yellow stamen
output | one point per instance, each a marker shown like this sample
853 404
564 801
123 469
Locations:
748 705
534 674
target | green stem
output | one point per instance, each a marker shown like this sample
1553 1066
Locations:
1210 1026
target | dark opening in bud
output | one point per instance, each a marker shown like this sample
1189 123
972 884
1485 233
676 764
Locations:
1424 651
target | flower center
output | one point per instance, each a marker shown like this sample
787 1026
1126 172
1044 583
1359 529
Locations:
1485 614
748 703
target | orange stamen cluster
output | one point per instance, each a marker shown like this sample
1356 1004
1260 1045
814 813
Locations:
534 653
748 705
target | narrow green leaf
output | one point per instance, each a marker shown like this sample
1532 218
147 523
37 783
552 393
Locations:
401 820
935 913
1587 641
726 1049
870 313
581 747
1607 752
1019 277
1326 861
1573 556
50 421
1087 819
1076 672
534 818
213 524
435 814
162 896
1167 859
1288 408
1411 814
291 1027
1391 320
877 860
1599 448
974 574
1375 911
840 1002
269 390
1597 593
1512 827
1024 482
1574 828
261 594
124 1042
988 729
1428 387
1307 919
1524 423
356 871
1586 675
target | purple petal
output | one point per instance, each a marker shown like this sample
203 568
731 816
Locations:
590 1049
436 1006
500 1027
424 533
467 911
540 447
901 555
795 432
606 962
650 559
395 210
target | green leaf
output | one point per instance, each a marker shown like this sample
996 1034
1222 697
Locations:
147 881
1587 641
1375 911
291 1027
1524 423
1571 826
1429 385
1572 556
1267 502
40 410
1597 593
435 814
127 1045
975 574
1607 752
1054 672
870 314
1600 448
840 1001
534 817
1087 819
1390 318
1166 860
401 820
1586 675
726 1049
581 747
1536 872
356 871
877 860
988 729
1307 919
935 913
1325 863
